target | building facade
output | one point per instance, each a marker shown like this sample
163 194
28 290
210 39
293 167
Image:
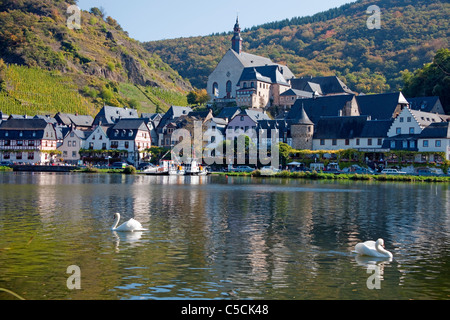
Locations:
28 141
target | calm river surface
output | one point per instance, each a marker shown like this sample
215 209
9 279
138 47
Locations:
221 238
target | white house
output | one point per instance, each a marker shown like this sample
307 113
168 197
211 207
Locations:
412 122
436 137
73 141
97 139
131 137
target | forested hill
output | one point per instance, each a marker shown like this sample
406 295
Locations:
95 65
334 42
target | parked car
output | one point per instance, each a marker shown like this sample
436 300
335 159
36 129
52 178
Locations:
392 171
429 172
145 165
119 165
364 171
269 170
243 169
358 169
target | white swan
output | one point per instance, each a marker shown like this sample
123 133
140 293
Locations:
373 249
130 225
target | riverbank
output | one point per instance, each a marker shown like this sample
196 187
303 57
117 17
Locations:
343 176
291 175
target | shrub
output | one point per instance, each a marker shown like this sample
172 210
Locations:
129 170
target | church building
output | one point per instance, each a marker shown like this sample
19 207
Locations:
224 81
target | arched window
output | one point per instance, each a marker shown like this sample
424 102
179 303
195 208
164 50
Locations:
215 90
228 86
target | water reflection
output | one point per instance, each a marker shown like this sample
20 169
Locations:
129 238
217 237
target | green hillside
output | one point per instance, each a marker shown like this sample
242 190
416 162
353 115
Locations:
77 70
335 42
35 91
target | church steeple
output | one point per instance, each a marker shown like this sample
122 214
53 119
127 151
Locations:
236 41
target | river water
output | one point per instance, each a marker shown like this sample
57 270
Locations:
218 237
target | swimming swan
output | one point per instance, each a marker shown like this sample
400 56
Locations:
373 249
130 225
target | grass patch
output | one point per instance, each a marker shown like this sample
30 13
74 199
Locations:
314 175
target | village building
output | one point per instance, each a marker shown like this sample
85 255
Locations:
223 82
76 121
435 138
406 128
261 87
382 106
289 97
228 113
28 141
130 137
109 116
321 86
427 104
167 125
326 106
245 123
73 141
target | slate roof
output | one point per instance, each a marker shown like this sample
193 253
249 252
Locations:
173 113
376 128
126 129
339 127
26 129
298 93
303 118
110 115
423 103
255 115
46 118
324 85
283 126
249 74
436 130
251 60
319 107
229 112
75 119
269 74
380 106
425 118
24 124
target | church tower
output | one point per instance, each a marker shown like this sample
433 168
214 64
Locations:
236 41
302 132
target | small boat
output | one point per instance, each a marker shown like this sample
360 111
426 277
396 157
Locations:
195 169
177 171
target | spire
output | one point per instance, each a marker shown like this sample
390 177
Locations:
236 41
304 119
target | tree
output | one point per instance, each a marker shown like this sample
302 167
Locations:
431 80
98 11
198 97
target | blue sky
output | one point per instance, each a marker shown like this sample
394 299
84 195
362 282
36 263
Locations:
147 20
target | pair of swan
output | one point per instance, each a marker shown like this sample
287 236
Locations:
128 226
367 248
373 249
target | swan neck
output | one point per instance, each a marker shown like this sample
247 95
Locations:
382 250
116 221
